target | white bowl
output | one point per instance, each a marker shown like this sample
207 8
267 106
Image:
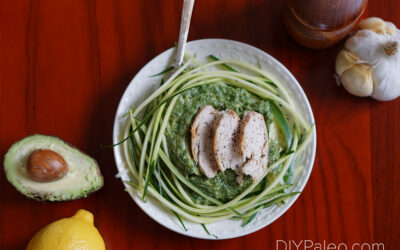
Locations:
142 86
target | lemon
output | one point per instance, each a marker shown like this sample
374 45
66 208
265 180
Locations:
74 233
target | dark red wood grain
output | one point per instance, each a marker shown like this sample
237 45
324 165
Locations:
64 65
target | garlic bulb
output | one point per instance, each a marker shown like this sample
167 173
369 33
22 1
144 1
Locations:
369 64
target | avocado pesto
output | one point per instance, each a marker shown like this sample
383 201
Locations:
223 186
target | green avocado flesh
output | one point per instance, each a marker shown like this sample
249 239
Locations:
223 186
82 178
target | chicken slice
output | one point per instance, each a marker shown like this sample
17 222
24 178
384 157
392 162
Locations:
256 167
201 135
225 146
253 143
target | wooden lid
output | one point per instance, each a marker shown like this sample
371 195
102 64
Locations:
327 15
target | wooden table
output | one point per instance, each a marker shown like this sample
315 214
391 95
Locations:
64 65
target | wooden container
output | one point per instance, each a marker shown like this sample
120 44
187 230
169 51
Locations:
321 23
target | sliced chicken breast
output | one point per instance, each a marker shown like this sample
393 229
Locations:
220 140
225 140
253 144
256 167
201 135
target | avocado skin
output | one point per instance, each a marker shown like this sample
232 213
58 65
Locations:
48 196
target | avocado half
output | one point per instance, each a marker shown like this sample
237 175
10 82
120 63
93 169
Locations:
82 178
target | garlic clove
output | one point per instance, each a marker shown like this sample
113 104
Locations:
344 61
396 35
358 80
386 79
374 24
390 28
367 45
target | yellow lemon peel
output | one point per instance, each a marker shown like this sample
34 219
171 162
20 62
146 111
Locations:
76 232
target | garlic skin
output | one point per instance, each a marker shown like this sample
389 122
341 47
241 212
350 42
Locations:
369 64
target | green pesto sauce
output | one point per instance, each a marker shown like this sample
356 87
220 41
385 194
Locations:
223 186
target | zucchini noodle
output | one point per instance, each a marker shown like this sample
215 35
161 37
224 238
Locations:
154 174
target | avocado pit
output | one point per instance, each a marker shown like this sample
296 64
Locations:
46 165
